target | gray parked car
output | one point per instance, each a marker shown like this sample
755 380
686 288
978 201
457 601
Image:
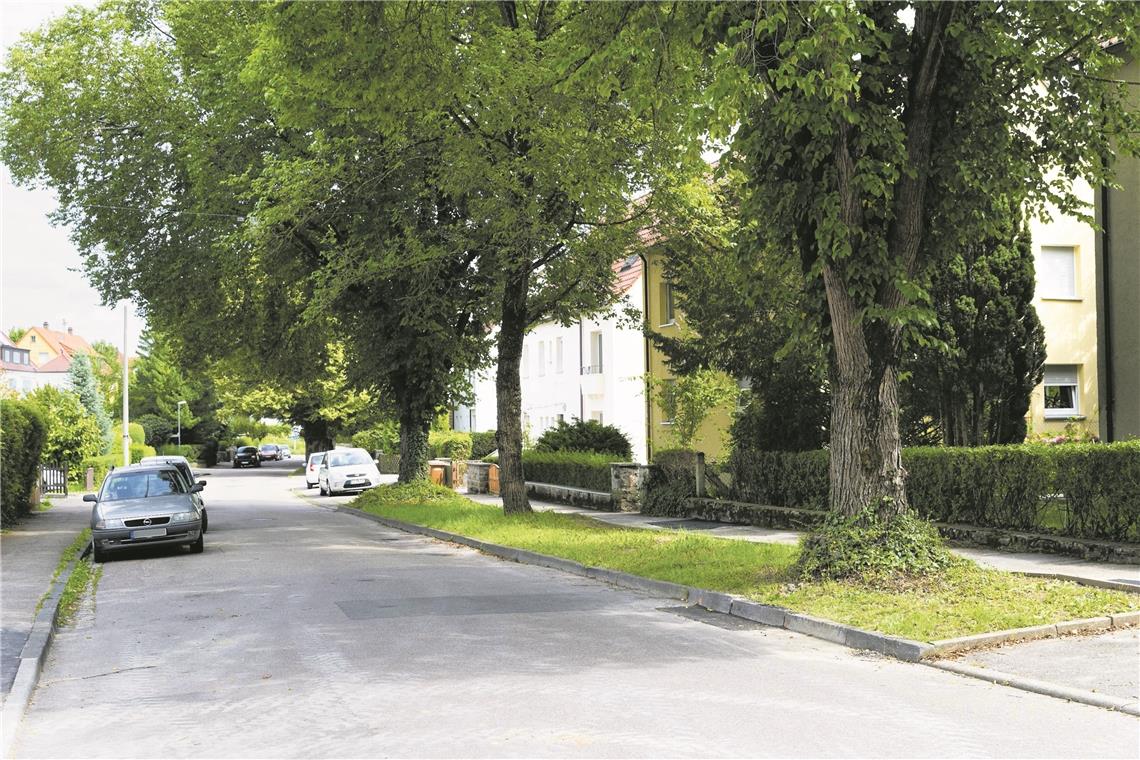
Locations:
144 506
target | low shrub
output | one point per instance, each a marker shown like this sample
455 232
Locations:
483 444
672 480
189 450
21 447
102 465
586 435
867 548
394 494
449 444
388 464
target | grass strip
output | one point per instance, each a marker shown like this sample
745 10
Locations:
65 558
84 578
965 599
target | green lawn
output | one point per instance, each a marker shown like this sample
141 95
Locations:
964 600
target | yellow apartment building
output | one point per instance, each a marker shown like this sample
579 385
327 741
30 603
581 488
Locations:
1065 298
662 316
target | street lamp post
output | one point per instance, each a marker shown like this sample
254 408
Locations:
180 405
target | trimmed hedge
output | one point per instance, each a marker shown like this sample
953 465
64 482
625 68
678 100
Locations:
1081 490
189 450
104 464
22 443
449 444
482 444
576 469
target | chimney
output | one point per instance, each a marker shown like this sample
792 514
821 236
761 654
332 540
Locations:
45 325
69 331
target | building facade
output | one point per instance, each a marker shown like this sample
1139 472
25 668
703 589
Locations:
1065 298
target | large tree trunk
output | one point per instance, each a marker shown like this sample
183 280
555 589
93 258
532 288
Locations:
316 435
512 330
866 450
413 446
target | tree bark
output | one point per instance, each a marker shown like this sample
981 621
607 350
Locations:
512 330
866 451
413 446
316 435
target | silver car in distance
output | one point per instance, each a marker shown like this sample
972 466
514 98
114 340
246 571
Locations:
145 506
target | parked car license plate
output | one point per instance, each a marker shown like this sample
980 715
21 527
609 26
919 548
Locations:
360 482
148 533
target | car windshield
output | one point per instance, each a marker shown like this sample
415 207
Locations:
342 458
140 485
247 450
268 447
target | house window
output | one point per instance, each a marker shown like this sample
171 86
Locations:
558 355
1058 277
1061 398
7 355
43 357
597 417
33 339
561 418
541 358
524 363
667 315
596 358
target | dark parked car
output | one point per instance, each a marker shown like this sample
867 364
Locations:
145 505
247 456
270 451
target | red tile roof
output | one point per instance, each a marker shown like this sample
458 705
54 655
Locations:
627 270
61 363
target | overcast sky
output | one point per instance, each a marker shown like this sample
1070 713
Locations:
38 278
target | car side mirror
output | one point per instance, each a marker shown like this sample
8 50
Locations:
202 483
196 488
90 497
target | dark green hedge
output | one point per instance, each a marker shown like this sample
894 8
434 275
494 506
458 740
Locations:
1081 490
575 469
482 444
448 444
21 444
672 479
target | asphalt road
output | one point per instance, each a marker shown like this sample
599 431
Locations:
306 633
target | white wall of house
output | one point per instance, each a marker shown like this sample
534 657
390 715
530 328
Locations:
593 369
28 381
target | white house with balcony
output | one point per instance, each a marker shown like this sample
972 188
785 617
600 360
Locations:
593 369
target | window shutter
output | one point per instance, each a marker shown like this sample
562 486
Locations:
1058 272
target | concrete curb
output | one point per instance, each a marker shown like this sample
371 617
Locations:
1081 580
1052 630
1130 706
33 655
855 638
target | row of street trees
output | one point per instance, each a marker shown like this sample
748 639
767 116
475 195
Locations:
277 182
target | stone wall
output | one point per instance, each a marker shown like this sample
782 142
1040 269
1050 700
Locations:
477 477
628 483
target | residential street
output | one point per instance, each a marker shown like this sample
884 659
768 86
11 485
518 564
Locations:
302 632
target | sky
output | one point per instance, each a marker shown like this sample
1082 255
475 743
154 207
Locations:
39 277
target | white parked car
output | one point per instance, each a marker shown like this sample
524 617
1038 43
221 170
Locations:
347 470
311 468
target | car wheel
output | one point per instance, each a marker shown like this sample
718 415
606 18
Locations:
205 520
97 555
236 465
200 545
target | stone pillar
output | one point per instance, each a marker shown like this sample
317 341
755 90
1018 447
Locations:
628 482
700 474
477 476
90 482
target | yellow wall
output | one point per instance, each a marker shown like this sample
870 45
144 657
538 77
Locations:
33 340
1070 323
713 437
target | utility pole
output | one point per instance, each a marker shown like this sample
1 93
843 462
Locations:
126 414
180 405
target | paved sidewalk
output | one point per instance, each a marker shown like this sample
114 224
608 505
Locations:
1025 563
29 553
